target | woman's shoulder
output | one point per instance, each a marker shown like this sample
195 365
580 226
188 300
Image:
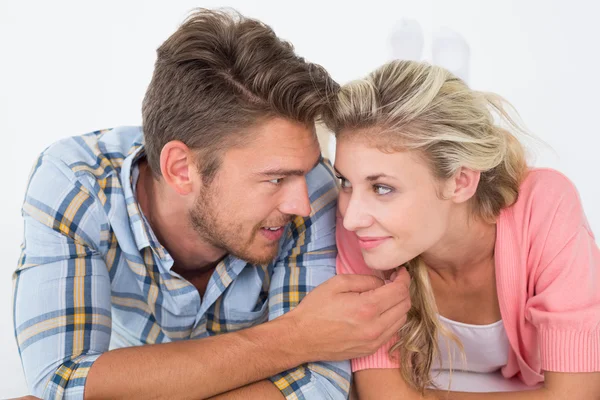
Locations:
546 180
547 213
546 193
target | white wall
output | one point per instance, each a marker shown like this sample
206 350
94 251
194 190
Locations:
72 67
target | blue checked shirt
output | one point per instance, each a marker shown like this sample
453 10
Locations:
92 275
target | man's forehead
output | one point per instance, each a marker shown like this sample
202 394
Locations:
283 133
294 153
284 160
282 137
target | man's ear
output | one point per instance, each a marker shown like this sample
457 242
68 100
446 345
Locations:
176 166
463 185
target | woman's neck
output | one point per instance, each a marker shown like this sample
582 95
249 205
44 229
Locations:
468 246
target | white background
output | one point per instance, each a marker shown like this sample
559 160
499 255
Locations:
67 68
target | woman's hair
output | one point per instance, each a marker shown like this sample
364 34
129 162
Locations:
414 106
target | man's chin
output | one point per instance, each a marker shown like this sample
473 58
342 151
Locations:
258 258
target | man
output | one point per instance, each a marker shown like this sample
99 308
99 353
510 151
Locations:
169 261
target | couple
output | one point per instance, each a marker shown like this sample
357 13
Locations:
194 257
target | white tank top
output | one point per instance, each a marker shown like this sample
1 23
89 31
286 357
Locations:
486 351
486 347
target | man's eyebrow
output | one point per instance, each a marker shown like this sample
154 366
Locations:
287 172
282 172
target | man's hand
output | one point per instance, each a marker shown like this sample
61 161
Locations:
351 316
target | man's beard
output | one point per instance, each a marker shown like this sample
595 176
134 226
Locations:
206 219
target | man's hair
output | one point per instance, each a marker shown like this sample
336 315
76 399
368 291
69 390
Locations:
220 74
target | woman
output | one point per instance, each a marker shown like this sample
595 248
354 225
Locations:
505 270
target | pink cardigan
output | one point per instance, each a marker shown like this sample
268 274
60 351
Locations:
547 277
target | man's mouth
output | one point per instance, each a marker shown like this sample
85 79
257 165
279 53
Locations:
272 233
274 228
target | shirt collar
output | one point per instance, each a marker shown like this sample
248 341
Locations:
142 232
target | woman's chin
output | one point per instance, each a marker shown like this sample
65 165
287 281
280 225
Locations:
377 264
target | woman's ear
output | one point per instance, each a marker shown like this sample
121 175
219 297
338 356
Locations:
463 185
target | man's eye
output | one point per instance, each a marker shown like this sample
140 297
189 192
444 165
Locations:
276 181
382 190
344 183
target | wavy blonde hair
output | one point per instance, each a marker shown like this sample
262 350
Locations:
407 105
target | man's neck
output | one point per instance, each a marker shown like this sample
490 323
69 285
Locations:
167 214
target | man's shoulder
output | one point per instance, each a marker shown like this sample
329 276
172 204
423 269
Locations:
91 162
321 180
95 149
76 181
315 232
322 192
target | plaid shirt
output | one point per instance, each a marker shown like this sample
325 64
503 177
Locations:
92 275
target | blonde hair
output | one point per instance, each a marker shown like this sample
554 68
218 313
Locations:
407 105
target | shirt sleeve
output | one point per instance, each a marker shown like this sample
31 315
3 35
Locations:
307 260
62 316
350 261
564 302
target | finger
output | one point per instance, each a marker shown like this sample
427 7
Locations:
394 315
357 283
388 296
390 336
401 274
391 321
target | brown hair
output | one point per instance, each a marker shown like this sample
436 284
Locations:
220 74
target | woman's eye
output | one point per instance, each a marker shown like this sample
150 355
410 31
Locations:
382 190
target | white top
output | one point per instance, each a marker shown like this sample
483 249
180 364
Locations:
485 347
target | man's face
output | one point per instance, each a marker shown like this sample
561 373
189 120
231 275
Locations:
257 191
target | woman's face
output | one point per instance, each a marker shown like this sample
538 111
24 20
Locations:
390 201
